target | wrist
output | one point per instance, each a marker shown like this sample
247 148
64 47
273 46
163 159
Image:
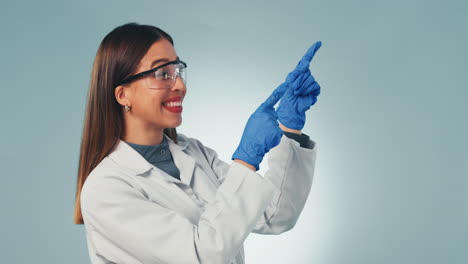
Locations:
286 129
245 164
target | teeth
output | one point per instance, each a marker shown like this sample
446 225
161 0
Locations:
173 104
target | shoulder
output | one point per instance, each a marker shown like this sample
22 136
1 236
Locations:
106 170
106 178
194 146
185 141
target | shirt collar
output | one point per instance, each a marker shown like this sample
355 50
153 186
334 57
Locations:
126 156
154 153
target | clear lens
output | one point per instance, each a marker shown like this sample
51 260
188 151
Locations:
165 77
182 73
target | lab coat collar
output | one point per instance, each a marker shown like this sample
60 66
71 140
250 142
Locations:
124 155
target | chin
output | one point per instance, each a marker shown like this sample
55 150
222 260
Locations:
174 124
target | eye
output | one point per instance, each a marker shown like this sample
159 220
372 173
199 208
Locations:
162 74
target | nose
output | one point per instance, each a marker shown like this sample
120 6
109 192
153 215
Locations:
179 85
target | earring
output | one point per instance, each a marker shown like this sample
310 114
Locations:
127 108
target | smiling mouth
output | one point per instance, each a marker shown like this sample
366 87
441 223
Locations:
173 106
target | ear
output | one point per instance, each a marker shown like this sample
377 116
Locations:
122 95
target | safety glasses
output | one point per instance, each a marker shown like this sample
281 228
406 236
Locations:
163 76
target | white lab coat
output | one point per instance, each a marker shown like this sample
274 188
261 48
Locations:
136 213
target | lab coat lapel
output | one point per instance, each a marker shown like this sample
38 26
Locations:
183 162
131 159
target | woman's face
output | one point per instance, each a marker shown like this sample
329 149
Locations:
156 108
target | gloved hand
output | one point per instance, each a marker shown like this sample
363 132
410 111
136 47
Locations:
302 93
262 132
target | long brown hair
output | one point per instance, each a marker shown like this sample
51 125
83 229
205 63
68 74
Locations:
117 57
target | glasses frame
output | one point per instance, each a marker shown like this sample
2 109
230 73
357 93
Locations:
142 74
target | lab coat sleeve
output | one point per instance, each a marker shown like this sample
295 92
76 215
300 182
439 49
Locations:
291 169
125 227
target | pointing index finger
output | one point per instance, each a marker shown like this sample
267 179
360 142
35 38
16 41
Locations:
304 63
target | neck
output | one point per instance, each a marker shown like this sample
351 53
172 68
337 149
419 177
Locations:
142 134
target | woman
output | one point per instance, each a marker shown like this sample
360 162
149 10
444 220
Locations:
147 194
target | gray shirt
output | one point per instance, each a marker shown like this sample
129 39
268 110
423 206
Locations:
159 156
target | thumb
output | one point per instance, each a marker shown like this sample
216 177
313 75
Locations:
275 96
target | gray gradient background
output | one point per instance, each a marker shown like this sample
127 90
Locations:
391 176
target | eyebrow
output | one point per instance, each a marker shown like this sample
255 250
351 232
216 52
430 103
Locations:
161 60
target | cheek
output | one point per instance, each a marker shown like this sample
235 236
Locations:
149 104
153 107
151 98
154 103
157 100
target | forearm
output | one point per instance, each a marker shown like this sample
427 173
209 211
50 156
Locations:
291 170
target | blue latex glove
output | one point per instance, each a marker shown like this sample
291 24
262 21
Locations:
302 93
262 132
